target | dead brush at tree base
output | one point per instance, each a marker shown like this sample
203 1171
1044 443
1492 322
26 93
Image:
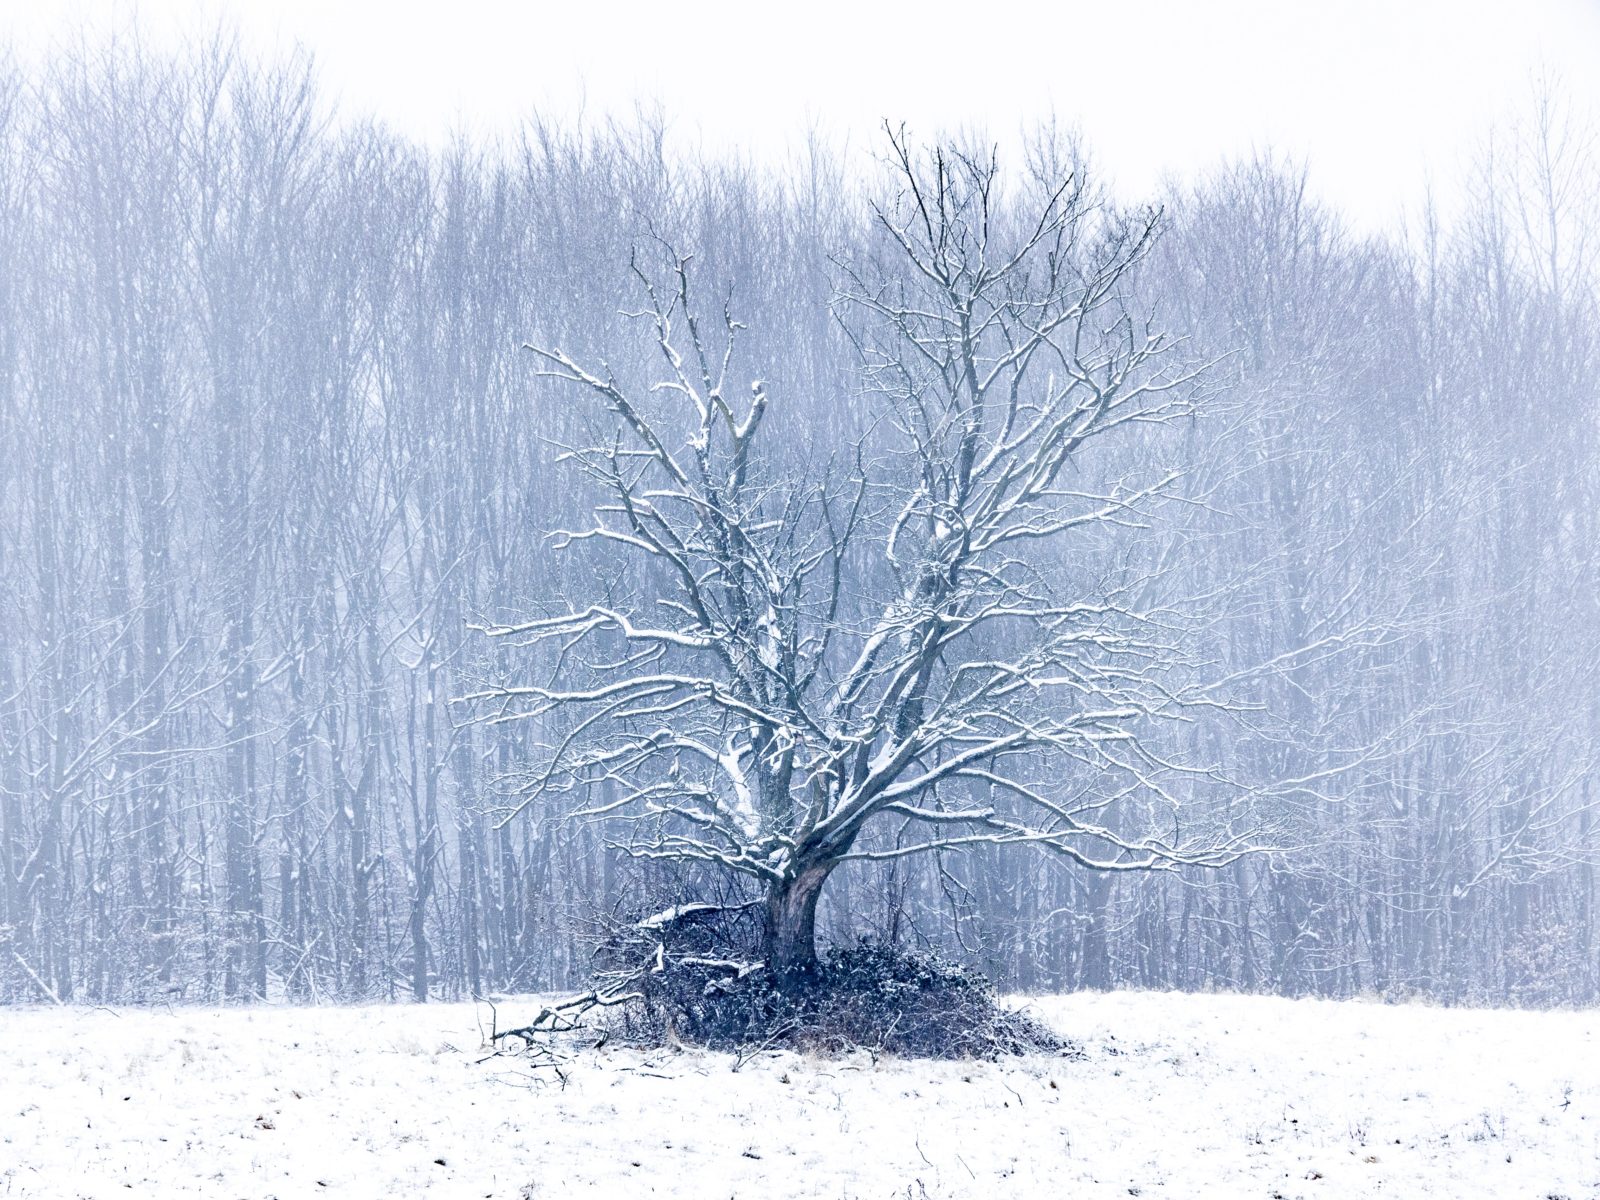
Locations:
866 997
698 981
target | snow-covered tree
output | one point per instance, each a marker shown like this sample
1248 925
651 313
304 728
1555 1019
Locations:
877 634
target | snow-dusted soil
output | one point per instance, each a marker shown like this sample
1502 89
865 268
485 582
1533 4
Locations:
1180 1096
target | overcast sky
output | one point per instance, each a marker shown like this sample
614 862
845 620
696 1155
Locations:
1378 96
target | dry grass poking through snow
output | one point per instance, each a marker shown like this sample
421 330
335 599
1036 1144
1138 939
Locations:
1181 1096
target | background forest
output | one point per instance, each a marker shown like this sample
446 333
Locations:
270 449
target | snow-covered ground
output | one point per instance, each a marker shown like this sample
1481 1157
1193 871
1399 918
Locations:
1180 1096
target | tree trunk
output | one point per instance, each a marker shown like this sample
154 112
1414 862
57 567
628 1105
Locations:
1095 953
792 926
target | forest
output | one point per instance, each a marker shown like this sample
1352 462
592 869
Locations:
299 472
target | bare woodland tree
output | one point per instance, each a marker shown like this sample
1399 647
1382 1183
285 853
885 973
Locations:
877 640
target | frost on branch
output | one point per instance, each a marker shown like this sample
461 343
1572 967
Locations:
897 650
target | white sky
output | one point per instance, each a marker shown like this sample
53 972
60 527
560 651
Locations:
1378 95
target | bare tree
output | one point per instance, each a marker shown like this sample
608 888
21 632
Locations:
268 445
878 641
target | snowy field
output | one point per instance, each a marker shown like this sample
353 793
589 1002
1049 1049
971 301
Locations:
1180 1096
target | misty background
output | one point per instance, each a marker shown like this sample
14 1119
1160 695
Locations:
271 449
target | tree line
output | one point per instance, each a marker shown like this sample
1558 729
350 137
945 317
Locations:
276 467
